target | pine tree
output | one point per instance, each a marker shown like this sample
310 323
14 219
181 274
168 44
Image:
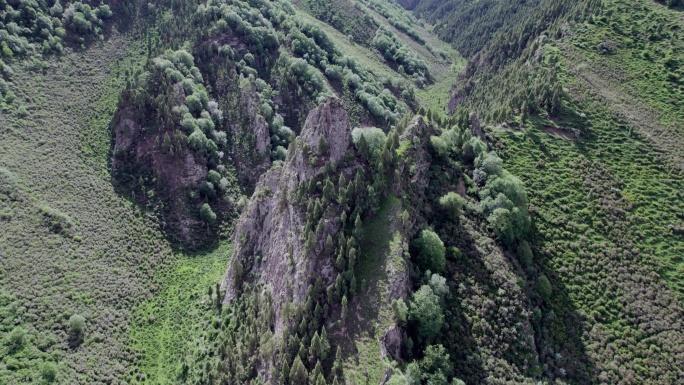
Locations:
351 258
301 353
322 145
320 227
316 376
345 308
330 294
284 374
357 227
318 209
339 286
166 144
320 380
316 348
298 373
337 364
352 285
325 344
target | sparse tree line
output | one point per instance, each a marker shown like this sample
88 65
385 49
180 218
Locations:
402 21
29 26
394 50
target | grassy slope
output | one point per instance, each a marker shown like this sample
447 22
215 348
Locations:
435 96
608 207
169 326
380 262
116 256
106 263
590 208
367 58
643 80
636 123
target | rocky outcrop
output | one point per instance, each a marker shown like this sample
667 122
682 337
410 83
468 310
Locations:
138 153
413 168
269 245
250 138
390 347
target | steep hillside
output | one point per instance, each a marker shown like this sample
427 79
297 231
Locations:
579 107
301 192
70 246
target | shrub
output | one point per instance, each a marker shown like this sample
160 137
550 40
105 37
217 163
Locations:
213 177
374 138
353 81
525 254
544 288
198 141
397 379
473 148
194 104
400 311
427 313
334 72
394 50
501 221
57 221
103 12
435 365
48 372
504 200
438 146
77 325
280 153
438 285
431 251
207 214
452 203
17 338
492 164
413 374
22 112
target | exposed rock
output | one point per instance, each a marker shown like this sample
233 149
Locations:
388 375
415 163
268 241
136 148
250 137
390 344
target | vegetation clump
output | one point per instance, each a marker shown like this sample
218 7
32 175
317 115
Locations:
430 251
395 51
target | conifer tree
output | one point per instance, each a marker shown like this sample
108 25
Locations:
316 348
325 344
298 373
284 374
337 364
345 308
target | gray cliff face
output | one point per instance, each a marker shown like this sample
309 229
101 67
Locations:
134 144
251 139
269 245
